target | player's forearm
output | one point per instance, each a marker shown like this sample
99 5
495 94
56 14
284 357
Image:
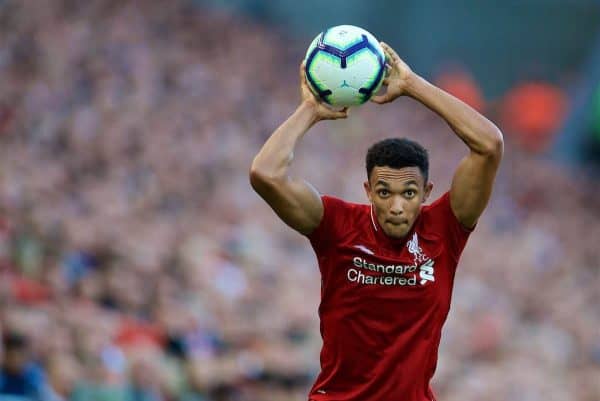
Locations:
273 160
479 134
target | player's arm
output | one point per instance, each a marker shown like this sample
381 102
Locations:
294 200
474 178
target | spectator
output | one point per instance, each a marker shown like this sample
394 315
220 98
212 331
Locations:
20 375
532 112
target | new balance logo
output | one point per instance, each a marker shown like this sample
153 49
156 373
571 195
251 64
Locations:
364 249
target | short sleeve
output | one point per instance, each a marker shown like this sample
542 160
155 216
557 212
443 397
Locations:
332 223
442 218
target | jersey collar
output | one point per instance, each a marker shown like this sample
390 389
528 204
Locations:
385 240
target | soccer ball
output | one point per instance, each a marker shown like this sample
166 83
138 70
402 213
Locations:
345 66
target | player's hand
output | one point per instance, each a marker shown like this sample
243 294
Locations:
396 80
321 110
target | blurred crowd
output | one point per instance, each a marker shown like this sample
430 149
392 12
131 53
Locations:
136 263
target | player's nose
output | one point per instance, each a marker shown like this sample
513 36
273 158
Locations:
396 208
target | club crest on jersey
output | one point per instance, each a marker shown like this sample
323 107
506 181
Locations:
415 250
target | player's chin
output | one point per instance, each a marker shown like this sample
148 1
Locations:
396 231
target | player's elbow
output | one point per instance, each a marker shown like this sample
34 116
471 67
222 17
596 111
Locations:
494 147
261 178
257 178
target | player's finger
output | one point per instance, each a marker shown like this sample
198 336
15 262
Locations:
388 59
391 53
388 69
388 49
381 99
342 113
302 70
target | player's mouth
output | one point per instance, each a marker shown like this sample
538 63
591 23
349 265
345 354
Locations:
396 222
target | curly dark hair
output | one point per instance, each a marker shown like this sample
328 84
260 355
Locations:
398 153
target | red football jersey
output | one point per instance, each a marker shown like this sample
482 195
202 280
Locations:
383 301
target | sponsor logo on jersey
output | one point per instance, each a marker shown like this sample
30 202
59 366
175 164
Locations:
420 272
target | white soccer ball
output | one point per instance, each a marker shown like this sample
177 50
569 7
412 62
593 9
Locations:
345 66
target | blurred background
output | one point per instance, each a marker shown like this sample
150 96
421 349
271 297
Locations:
136 262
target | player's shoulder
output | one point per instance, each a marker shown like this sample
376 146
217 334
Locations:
344 214
334 204
440 204
340 219
341 202
438 216
439 223
437 211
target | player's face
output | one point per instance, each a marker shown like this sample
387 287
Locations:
396 196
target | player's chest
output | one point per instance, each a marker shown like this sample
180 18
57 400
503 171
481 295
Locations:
365 272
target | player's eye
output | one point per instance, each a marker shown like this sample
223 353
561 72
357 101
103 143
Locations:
383 193
409 193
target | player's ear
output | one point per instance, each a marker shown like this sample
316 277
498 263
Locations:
428 188
368 190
